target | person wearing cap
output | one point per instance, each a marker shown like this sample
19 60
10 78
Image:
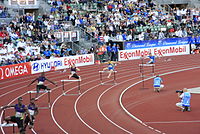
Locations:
185 97
33 110
158 83
40 85
20 111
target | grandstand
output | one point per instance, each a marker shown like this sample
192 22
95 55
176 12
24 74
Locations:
83 26
51 35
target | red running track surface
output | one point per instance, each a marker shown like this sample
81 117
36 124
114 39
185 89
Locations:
97 109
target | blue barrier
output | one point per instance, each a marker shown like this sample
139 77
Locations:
160 42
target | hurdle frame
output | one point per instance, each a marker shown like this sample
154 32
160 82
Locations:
63 87
101 78
141 66
13 125
45 91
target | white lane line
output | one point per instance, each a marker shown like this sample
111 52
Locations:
76 102
121 95
9 104
8 92
100 110
75 105
52 107
58 81
41 96
171 122
1 128
98 105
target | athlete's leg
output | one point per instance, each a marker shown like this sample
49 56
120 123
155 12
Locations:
46 88
150 61
157 89
110 72
104 69
70 76
7 119
180 105
20 123
37 91
31 123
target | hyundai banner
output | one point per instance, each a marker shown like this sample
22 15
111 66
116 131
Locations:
61 63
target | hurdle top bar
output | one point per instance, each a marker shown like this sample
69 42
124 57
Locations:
8 125
69 80
106 71
147 65
39 91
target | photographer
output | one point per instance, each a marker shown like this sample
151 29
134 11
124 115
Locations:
185 97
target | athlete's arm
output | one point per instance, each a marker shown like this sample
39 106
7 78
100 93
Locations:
51 81
32 81
26 110
4 107
77 69
36 111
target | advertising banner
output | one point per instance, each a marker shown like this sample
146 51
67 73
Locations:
15 70
61 63
156 43
158 51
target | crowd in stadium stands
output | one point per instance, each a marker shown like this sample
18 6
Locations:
30 37
4 12
120 21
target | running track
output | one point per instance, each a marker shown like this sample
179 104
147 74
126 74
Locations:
113 109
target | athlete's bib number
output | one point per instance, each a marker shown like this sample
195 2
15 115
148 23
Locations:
18 114
73 72
40 83
31 112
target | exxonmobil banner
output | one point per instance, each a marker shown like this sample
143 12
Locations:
61 63
158 51
15 70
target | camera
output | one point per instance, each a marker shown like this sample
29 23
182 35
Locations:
179 91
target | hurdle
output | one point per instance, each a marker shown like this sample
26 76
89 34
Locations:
13 125
101 77
45 91
78 84
142 75
4 124
147 65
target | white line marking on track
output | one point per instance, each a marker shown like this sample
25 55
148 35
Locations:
9 104
99 108
38 97
52 115
1 114
121 95
79 97
171 122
